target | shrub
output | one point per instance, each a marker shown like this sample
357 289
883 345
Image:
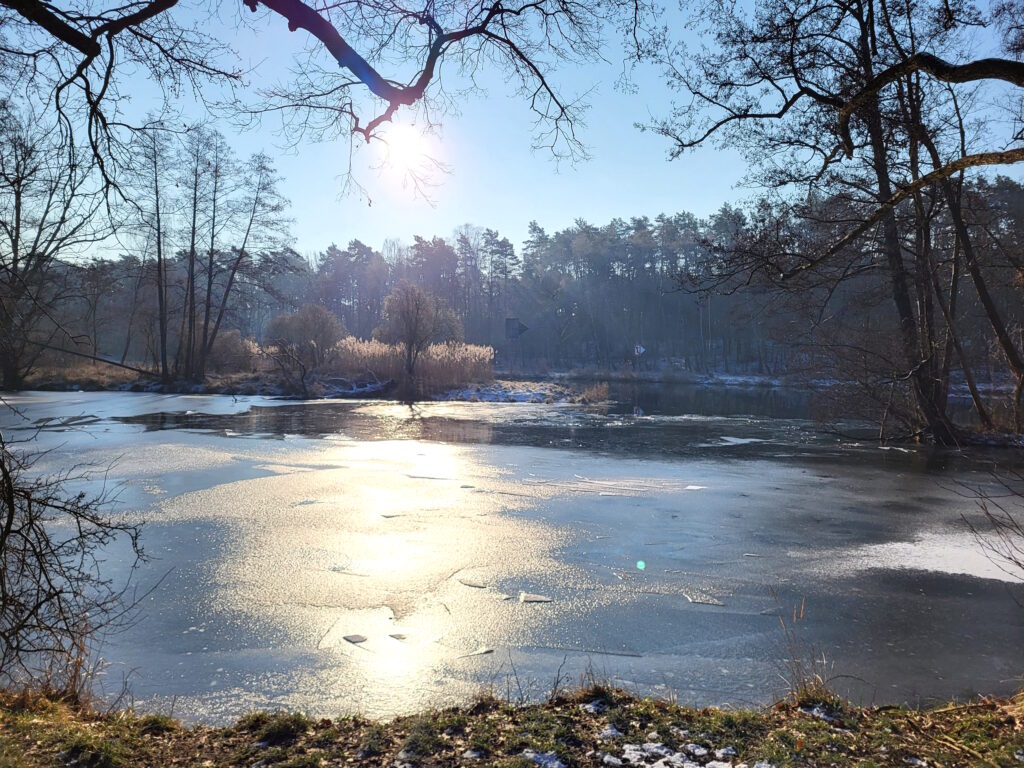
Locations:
301 342
312 333
596 393
231 353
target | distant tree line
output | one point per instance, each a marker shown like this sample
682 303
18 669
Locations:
588 295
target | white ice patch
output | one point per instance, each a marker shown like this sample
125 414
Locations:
610 733
527 597
951 553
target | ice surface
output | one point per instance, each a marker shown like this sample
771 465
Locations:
424 521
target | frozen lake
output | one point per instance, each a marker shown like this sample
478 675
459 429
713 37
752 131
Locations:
669 547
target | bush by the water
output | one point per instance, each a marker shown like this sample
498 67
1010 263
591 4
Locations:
595 393
309 334
232 353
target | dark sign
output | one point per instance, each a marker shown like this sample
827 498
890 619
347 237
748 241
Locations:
514 329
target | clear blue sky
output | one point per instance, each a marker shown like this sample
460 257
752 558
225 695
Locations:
494 178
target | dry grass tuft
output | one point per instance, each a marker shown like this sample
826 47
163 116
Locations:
88 376
595 393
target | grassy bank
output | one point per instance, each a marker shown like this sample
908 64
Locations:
439 368
591 727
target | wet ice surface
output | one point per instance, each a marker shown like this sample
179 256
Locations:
369 557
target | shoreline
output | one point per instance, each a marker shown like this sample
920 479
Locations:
594 726
261 384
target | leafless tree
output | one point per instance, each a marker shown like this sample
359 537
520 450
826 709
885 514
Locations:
781 83
414 320
312 332
151 201
261 225
301 342
50 209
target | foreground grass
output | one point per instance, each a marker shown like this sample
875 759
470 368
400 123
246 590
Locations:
36 732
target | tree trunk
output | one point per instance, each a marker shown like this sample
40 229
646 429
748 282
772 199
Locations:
995 319
917 359
161 295
208 302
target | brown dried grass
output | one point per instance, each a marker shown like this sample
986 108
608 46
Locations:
441 366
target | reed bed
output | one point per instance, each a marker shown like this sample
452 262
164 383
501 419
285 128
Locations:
439 368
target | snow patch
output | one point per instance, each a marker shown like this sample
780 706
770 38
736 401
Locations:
544 759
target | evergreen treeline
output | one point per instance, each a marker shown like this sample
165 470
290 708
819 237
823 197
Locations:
206 268
587 294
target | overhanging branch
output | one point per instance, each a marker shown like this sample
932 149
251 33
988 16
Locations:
1007 70
302 16
967 161
37 13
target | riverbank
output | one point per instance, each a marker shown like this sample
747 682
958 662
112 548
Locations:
260 384
353 368
666 375
594 726
266 384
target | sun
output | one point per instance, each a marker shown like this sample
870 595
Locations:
406 149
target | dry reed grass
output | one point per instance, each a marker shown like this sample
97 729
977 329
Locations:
595 393
441 367
86 375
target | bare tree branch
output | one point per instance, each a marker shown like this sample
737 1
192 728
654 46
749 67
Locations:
968 161
1007 70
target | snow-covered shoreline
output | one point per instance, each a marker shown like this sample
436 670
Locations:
505 391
